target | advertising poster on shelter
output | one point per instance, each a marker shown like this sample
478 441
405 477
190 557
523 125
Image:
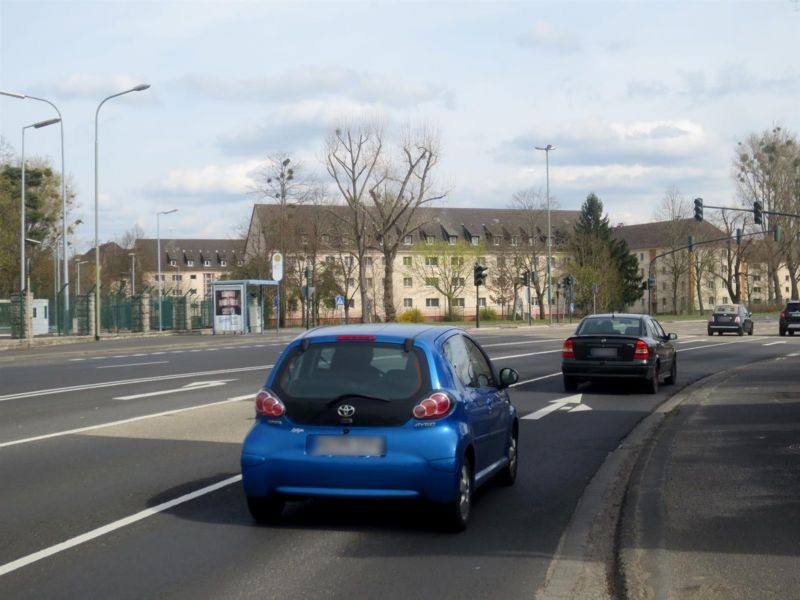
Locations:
228 309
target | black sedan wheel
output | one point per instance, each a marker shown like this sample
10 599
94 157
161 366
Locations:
652 383
673 373
750 331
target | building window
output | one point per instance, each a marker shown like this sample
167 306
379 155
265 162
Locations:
192 276
482 302
515 240
408 303
431 261
407 240
641 257
756 277
458 281
239 263
406 261
329 260
458 302
456 261
351 282
452 240
724 299
348 261
431 281
432 302
351 303
189 263
177 278
496 240
756 290
475 240
173 262
326 238
368 282
367 261
711 299
206 263
223 263
407 282
429 239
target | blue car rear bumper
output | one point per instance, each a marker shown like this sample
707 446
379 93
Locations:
418 463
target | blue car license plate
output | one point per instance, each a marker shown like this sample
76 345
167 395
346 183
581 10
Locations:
346 445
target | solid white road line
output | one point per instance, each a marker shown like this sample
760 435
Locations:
100 531
189 387
122 422
520 343
91 386
773 343
157 362
535 379
528 354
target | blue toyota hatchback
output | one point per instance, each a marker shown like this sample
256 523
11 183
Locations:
381 411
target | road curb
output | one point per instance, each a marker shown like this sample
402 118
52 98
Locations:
584 565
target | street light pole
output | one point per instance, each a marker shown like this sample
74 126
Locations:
158 251
38 125
547 150
63 196
139 88
133 273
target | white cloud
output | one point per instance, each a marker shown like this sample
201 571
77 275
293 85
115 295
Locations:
546 36
94 87
211 179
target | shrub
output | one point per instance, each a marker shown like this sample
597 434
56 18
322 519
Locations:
412 315
488 314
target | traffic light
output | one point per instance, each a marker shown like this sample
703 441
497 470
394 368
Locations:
757 212
651 282
691 243
525 278
698 210
479 275
776 233
738 237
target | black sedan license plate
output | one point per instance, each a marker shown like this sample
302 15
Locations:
346 445
603 352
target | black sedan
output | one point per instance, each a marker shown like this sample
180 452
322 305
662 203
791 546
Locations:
613 346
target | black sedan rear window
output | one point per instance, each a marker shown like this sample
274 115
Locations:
610 326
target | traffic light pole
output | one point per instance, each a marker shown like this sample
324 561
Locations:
477 307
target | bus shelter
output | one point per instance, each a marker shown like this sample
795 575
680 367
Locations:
238 309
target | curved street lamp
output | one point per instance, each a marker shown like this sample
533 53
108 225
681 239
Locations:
63 194
139 88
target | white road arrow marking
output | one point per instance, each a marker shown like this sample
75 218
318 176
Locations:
773 343
570 403
189 387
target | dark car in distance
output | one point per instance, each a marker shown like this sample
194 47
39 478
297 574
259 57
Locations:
619 346
730 318
789 320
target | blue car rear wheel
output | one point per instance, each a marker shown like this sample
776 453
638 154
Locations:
265 510
456 513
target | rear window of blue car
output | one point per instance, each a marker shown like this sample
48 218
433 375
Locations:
326 371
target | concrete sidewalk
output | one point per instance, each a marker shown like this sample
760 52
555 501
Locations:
712 509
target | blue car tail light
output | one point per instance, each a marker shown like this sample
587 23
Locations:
269 405
435 406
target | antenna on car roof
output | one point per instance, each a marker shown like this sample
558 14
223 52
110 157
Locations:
304 344
408 344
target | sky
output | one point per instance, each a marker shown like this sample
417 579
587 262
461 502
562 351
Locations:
638 98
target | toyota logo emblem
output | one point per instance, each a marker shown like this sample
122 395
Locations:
346 410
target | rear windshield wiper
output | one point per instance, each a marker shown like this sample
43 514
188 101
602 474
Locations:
360 396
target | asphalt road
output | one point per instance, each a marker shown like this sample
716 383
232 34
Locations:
103 499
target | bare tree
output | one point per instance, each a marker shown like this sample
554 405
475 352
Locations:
407 186
533 220
444 267
352 159
674 212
